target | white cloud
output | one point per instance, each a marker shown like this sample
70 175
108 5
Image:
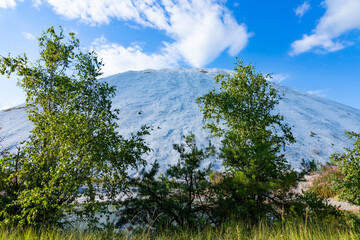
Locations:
278 78
7 3
118 58
323 42
36 3
203 31
340 17
95 11
200 30
320 92
302 9
28 36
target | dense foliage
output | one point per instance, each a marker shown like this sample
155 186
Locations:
349 167
74 149
241 110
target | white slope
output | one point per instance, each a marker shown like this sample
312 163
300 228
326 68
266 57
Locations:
166 99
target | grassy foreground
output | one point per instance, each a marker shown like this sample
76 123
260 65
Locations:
233 231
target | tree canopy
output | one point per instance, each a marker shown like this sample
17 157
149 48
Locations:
241 110
349 166
74 149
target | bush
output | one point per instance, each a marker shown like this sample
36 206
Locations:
349 168
181 197
323 183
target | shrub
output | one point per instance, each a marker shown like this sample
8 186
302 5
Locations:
349 168
323 183
181 197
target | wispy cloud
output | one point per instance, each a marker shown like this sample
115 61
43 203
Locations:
7 3
340 17
278 78
36 3
302 9
199 30
28 36
320 92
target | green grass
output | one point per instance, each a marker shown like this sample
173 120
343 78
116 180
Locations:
231 231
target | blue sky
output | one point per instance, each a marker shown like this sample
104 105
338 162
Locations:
311 45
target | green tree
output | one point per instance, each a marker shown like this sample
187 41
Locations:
241 110
9 183
181 197
349 167
74 149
